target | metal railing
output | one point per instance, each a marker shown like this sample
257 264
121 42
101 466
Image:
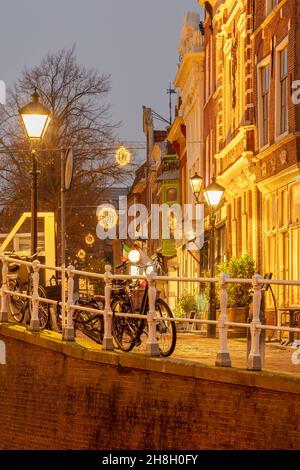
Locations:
254 360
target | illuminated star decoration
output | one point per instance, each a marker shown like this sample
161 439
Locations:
81 254
107 217
90 239
123 156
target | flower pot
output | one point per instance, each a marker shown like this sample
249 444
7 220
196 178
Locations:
237 315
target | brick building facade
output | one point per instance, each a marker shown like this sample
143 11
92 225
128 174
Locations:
276 153
251 130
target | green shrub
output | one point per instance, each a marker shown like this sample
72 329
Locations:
202 301
239 295
186 303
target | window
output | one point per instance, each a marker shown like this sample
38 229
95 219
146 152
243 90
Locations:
271 4
172 195
207 72
207 161
265 91
211 84
295 203
283 63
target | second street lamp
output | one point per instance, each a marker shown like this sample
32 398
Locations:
196 183
213 195
35 118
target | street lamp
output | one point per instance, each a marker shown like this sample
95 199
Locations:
196 183
213 195
35 118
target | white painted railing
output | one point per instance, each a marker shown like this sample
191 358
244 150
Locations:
254 361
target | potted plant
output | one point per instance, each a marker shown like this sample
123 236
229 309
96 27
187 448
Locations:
239 295
185 305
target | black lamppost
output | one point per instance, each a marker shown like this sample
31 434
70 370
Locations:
213 194
35 118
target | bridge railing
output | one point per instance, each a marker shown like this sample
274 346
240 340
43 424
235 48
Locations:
254 359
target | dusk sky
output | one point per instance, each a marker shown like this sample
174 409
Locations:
135 41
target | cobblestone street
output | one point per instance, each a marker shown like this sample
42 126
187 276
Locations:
194 347
197 348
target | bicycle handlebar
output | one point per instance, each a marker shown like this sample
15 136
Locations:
23 258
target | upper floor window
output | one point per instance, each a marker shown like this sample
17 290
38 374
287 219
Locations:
207 69
283 63
271 4
264 106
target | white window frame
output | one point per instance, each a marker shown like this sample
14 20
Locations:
207 77
278 135
211 78
270 7
265 62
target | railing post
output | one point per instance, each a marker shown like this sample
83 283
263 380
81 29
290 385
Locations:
35 321
223 356
108 344
4 296
254 361
68 331
152 348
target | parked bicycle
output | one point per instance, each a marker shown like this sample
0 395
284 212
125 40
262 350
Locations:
90 324
21 307
128 297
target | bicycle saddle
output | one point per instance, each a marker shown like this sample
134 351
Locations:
13 268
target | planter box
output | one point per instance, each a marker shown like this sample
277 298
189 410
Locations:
238 315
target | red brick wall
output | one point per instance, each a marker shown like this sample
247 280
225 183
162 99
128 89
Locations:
51 401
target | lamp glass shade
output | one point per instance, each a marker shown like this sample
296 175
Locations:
196 184
35 125
213 194
35 117
134 256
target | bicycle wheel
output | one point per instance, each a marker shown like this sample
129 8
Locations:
90 324
165 329
43 311
15 302
124 329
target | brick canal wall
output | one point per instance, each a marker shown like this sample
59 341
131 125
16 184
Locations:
60 396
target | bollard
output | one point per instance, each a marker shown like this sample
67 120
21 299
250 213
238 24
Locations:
223 356
4 296
34 320
152 348
68 331
108 344
254 361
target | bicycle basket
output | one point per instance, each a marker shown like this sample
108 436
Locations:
137 298
53 292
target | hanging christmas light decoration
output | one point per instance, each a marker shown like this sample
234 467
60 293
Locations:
81 254
123 156
107 217
90 239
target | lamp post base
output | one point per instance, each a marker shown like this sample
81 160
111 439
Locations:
211 331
